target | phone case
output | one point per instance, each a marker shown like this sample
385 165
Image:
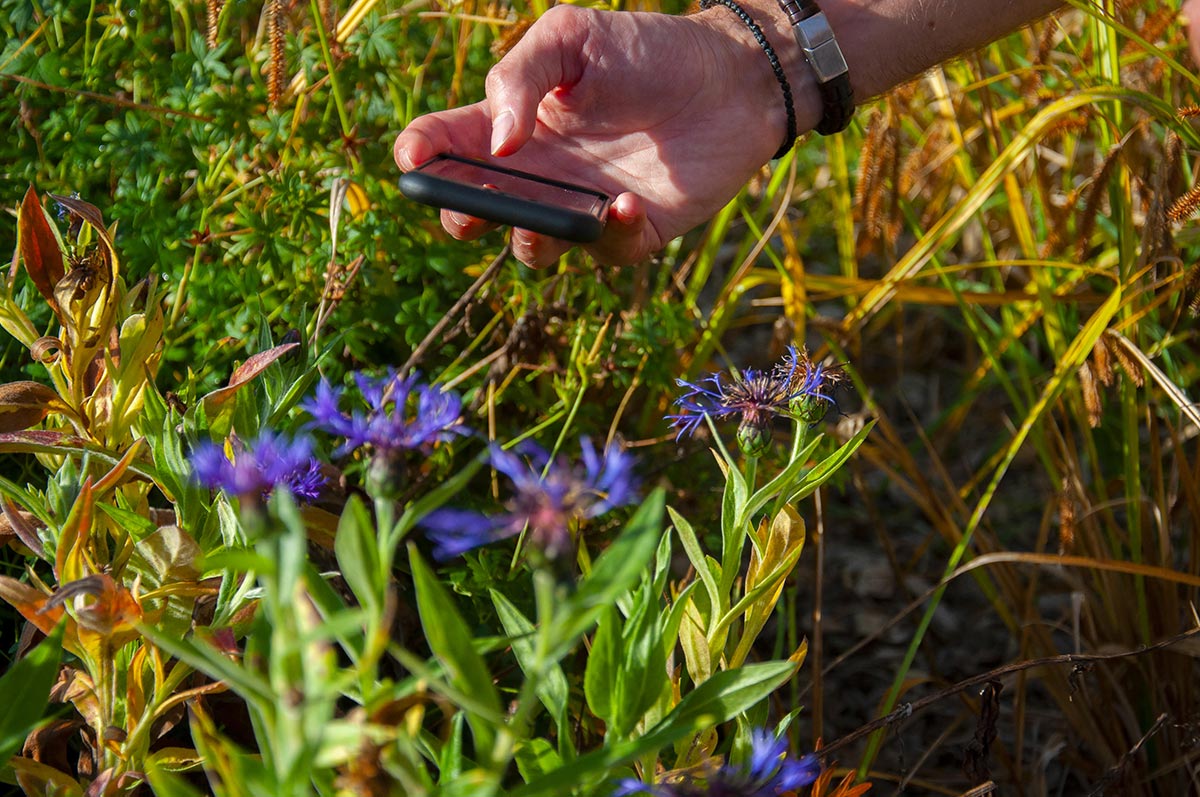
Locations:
570 225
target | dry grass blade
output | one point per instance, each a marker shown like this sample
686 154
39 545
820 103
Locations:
1180 399
947 228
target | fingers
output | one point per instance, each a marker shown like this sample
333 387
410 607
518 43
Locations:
462 131
537 250
462 227
628 238
549 56
1191 12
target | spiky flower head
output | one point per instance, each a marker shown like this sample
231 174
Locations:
812 384
796 388
259 467
549 497
387 425
768 773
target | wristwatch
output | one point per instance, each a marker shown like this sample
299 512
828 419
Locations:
816 39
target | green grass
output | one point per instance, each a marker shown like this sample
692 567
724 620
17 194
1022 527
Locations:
989 251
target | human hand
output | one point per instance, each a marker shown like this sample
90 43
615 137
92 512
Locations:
670 115
1191 12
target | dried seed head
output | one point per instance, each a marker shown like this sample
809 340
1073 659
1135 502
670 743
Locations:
1066 518
1095 197
1091 395
214 15
275 67
509 38
1185 206
1102 364
1129 365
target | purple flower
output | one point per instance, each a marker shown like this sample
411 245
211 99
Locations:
768 773
548 497
386 425
796 388
261 465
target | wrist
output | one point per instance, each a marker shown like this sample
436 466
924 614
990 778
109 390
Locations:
757 80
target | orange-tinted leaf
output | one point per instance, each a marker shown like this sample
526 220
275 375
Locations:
22 404
39 247
114 476
101 605
32 605
37 778
254 366
70 560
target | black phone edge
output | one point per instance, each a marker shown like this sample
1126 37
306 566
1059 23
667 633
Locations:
569 225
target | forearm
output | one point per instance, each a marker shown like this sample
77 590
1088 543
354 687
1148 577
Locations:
885 42
890 41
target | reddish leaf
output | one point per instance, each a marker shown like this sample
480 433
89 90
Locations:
89 213
23 404
38 442
39 248
254 366
20 524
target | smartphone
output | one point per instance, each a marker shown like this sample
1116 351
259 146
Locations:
508 196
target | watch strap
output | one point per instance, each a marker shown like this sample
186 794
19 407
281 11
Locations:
824 56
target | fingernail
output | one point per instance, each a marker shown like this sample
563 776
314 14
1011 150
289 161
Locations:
502 127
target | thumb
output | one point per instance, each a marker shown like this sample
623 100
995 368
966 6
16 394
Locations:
549 56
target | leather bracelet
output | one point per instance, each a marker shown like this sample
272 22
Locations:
790 137
821 50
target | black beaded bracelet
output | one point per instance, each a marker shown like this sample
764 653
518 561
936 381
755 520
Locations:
776 67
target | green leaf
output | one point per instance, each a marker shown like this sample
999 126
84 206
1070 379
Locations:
782 483
644 665
206 658
451 642
551 685
717 700
357 554
600 676
536 758
25 692
828 466
691 545
614 574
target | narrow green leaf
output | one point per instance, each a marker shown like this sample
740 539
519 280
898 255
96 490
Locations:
451 642
536 758
614 574
719 699
782 483
551 688
691 546
600 676
830 465
25 692
357 554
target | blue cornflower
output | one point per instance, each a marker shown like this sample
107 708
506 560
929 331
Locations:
548 504
797 388
386 425
259 467
768 773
